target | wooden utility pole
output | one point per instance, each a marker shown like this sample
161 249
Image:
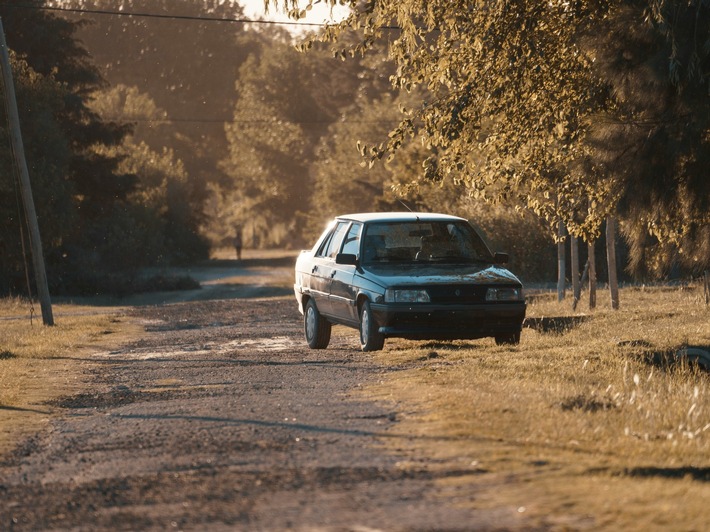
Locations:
611 261
25 188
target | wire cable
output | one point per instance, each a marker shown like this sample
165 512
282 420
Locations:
161 16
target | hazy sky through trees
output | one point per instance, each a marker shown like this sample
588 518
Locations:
319 14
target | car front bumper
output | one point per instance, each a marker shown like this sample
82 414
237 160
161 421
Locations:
449 322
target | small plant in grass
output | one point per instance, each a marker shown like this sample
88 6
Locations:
6 354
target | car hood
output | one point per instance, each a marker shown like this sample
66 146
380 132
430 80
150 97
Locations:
391 275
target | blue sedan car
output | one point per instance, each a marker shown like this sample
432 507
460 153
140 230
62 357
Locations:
408 275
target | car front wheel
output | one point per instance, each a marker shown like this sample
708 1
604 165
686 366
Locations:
370 338
508 339
316 327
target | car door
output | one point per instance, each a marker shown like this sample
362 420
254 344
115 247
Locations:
322 268
342 292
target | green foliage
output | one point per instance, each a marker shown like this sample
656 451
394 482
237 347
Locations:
569 110
509 89
268 144
574 110
188 67
72 185
95 214
395 186
285 102
342 179
47 153
655 140
163 190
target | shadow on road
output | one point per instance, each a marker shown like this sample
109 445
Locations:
250 278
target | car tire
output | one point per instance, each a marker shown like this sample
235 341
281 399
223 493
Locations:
370 338
316 328
508 339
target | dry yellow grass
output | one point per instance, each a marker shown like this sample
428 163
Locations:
39 364
589 426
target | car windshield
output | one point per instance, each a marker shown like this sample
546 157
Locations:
423 242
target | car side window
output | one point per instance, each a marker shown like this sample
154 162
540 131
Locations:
324 246
331 245
352 240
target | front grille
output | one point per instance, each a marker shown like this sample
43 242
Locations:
457 294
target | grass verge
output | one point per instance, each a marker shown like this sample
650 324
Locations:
39 363
589 423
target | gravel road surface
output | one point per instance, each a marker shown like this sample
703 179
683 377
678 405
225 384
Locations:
219 418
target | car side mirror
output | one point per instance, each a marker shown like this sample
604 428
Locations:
346 258
500 258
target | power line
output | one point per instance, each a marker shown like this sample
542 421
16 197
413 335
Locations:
77 10
160 16
231 121
191 18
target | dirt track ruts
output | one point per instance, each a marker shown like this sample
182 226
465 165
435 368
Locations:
219 418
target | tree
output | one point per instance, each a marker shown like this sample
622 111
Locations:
342 180
48 45
654 142
184 58
533 85
285 103
38 97
269 140
163 190
509 80
561 261
611 261
104 202
72 185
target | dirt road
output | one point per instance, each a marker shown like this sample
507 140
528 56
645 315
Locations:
219 418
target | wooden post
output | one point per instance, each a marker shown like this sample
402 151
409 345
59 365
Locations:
25 187
561 267
706 288
611 261
592 276
574 267
578 295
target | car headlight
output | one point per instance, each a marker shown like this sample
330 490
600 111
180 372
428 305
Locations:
393 295
504 294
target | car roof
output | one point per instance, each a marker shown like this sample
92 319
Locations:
367 217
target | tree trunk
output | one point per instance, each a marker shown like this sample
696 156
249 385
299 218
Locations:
561 268
611 261
592 276
574 267
583 280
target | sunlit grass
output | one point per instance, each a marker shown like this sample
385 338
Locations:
605 397
40 363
